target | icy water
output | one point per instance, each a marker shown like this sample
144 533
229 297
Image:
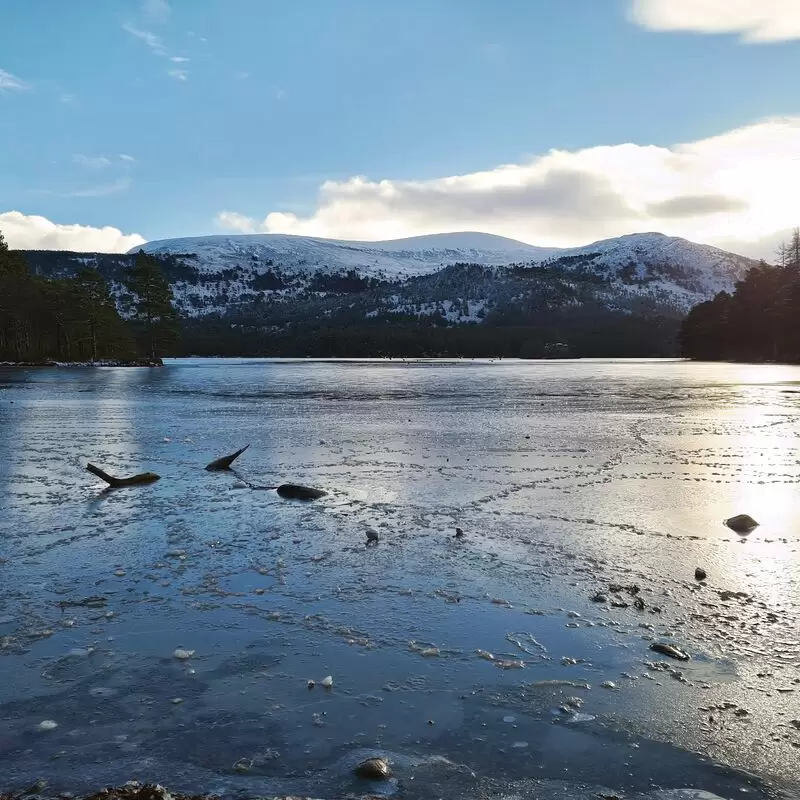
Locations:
478 665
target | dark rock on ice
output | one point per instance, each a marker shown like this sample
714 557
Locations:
670 650
375 769
741 523
292 491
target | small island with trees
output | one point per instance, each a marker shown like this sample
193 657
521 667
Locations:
74 319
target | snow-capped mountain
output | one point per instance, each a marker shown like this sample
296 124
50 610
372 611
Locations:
451 293
224 274
710 269
389 260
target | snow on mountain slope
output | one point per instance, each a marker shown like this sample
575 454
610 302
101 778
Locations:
700 268
230 273
392 260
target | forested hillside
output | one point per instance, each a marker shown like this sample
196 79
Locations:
279 296
758 321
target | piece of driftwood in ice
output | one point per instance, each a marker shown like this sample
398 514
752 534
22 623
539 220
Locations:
291 491
116 483
225 462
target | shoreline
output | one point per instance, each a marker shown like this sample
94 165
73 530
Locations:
101 363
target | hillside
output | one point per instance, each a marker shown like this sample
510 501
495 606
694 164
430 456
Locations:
389 260
263 287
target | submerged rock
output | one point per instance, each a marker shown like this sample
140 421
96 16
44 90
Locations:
243 765
670 650
133 790
375 769
741 523
728 594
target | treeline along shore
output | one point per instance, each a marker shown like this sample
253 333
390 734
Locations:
81 316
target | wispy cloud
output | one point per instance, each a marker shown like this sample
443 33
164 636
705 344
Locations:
280 94
92 162
66 98
154 42
157 46
156 11
735 189
102 190
241 76
11 83
127 158
754 20
26 232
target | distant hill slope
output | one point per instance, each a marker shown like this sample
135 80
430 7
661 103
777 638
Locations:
647 268
284 286
390 260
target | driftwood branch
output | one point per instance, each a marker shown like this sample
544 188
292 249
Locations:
225 462
116 483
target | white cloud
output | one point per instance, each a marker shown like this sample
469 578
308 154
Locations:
127 158
736 187
179 59
154 42
92 162
38 233
9 82
754 20
178 74
156 11
232 221
66 98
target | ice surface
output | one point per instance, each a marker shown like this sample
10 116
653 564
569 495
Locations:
566 478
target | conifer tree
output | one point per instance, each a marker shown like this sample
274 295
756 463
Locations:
153 308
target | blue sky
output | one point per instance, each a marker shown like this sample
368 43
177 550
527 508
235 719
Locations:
190 117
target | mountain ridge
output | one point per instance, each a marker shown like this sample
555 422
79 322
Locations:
405 257
446 293
671 271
